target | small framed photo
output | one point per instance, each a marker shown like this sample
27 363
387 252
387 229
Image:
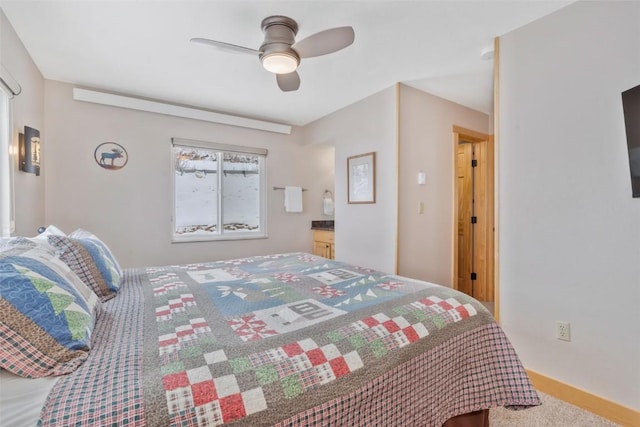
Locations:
361 178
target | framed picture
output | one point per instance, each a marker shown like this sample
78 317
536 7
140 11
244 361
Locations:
361 178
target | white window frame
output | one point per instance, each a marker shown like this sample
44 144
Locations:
220 233
7 213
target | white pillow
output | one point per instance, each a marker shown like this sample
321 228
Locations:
51 230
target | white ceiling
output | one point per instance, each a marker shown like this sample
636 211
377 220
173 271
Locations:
142 48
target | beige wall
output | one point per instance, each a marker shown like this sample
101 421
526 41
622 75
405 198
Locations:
569 228
28 110
131 208
426 144
365 233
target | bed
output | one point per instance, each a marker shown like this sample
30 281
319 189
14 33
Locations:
284 340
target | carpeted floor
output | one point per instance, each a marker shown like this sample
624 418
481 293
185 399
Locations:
552 413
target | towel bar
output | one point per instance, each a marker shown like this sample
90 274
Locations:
282 188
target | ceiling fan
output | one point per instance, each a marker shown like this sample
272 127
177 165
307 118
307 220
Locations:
281 54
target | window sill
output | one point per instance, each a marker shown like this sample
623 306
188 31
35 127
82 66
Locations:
227 237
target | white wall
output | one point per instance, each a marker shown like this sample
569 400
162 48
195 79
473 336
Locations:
131 208
426 144
28 110
365 233
569 228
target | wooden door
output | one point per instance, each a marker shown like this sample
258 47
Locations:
323 243
473 252
464 183
322 249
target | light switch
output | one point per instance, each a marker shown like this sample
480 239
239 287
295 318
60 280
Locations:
421 208
422 178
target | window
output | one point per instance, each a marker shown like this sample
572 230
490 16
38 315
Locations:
6 167
218 191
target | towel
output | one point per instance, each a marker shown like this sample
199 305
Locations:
293 199
327 206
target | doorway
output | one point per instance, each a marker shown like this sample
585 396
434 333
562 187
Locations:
473 240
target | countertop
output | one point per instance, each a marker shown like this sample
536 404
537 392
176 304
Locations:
322 225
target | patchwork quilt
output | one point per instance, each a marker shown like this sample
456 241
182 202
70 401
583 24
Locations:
288 339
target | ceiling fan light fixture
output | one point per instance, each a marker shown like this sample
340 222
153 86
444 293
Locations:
280 54
280 62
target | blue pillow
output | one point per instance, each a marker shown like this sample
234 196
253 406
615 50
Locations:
84 234
47 314
92 261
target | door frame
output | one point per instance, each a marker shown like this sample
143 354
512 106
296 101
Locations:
484 208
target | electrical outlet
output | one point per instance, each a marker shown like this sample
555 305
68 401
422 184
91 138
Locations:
563 331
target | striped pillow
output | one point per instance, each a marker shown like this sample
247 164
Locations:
47 314
84 234
92 261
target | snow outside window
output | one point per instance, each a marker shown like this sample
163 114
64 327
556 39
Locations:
218 193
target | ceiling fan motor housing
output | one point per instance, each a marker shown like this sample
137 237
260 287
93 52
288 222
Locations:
279 36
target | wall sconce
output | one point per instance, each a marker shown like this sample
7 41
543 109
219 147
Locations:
29 151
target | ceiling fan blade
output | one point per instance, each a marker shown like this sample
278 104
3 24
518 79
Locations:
226 47
324 42
288 82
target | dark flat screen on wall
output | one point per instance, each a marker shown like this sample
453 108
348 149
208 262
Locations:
631 106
